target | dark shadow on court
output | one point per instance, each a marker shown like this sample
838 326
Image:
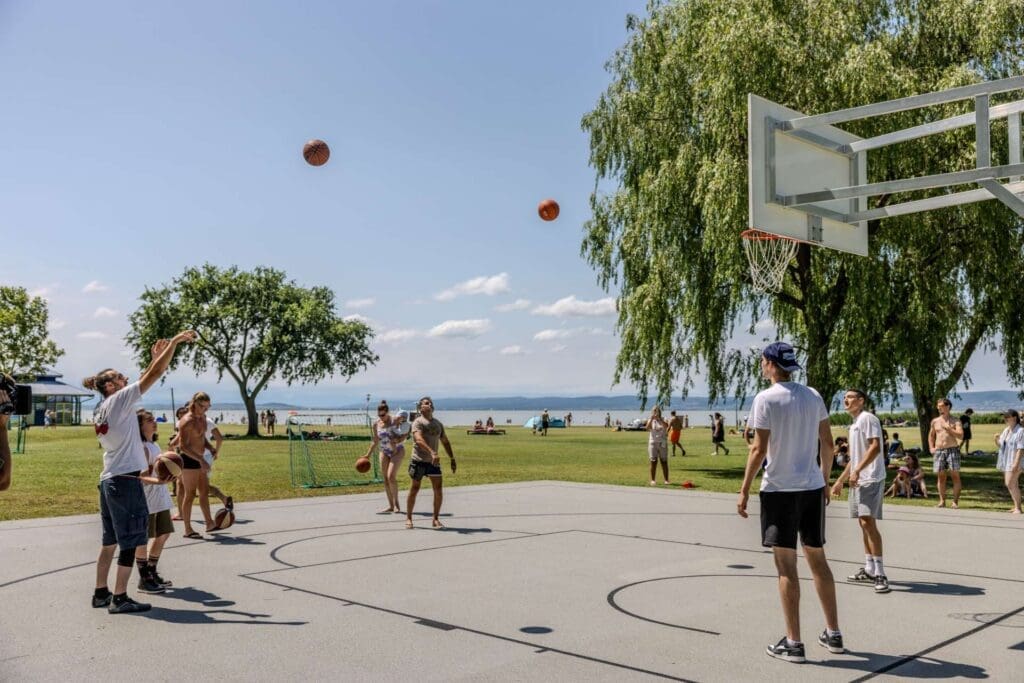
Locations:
196 595
465 530
430 514
231 540
187 616
934 588
922 667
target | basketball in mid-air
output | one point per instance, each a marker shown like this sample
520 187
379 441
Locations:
316 152
363 465
548 209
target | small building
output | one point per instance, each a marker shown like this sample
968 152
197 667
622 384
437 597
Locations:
65 400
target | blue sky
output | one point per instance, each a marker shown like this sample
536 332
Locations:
137 139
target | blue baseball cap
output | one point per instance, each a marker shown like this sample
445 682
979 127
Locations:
782 354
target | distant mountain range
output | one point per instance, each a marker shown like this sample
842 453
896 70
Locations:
981 401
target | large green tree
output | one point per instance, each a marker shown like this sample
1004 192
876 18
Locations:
25 344
253 325
668 143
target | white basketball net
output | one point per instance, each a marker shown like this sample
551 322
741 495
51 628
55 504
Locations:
768 256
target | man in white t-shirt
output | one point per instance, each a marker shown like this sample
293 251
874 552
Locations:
791 430
123 509
866 472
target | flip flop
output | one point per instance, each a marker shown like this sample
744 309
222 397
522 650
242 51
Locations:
194 535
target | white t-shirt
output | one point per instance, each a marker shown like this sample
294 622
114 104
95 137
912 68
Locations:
117 428
792 413
211 426
158 498
865 427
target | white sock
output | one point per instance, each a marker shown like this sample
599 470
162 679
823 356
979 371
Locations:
869 564
830 632
879 569
792 643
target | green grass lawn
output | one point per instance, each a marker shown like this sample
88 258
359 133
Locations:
59 472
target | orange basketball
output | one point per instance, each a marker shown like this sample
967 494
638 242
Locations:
316 152
548 209
363 465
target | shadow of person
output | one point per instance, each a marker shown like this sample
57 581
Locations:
465 530
916 667
190 594
215 537
189 616
935 588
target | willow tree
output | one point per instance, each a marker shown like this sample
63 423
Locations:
668 144
253 326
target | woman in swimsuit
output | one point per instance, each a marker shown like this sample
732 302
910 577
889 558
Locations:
387 434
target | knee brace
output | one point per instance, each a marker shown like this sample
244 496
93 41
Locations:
126 558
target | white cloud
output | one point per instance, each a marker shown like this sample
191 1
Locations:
485 349
360 303
764 327
558 348
495 284
513 350
104 312
45 291
95 286
460 328
517 305
550 335
396 336
57 324
570 306
92 335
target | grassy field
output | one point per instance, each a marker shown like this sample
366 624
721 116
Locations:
59 472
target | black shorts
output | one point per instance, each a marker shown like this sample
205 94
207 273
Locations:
124 512
784 514
189 463
419 469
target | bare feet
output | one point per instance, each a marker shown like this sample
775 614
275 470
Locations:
408 523
437 524
941 504
1014 511
386 511
955 505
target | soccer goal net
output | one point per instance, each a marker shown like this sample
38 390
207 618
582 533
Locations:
323 449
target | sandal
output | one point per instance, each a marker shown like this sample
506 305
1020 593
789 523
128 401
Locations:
194 535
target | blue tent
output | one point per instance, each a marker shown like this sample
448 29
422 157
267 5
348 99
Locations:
553 422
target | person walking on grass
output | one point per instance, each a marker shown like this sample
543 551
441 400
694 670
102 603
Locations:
675 430
718 433
657 444
944 442
791 431
427 433
123 509
866 472
965 424
1011 448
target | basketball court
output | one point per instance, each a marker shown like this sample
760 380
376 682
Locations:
530 581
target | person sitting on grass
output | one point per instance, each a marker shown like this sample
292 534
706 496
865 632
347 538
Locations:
909 480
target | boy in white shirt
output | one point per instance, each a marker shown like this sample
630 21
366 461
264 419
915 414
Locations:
866 472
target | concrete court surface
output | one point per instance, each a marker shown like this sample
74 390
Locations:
530 581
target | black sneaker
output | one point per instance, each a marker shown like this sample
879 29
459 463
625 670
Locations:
161 580
861 576
833 644
129 606
148 585
781 650
881 584
102 602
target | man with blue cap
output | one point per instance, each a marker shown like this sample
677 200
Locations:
791 429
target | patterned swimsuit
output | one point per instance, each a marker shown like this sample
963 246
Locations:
390 440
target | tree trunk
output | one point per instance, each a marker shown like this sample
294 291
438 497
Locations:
924 403
253 417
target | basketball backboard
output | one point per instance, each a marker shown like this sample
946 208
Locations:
784 163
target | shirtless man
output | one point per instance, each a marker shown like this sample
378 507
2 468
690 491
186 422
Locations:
191 443
675 428
944 442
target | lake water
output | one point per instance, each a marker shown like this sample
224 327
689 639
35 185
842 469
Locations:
502 418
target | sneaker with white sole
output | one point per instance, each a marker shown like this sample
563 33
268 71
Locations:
833 644
861 576
148 585
881 584
790 653
128 606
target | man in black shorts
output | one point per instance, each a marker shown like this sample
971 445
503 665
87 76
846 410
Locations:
427 433
791 429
